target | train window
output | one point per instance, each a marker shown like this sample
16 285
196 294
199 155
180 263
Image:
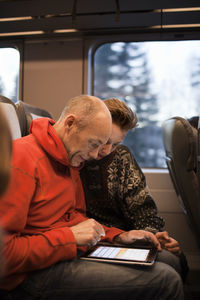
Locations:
157 79
9 72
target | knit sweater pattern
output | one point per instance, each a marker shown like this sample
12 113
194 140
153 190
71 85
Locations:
117 194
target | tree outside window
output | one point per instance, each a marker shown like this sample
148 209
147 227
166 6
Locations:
158 80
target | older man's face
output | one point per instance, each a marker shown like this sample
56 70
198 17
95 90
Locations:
85 144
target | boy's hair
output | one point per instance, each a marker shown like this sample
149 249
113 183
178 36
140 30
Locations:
122 115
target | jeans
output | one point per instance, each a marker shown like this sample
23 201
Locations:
179 263
82 280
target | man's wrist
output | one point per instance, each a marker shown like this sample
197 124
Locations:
117 238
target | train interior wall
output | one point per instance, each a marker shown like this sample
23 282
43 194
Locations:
53 73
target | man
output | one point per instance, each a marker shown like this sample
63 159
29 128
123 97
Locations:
43 215
115 188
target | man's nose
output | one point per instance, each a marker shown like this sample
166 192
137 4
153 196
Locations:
94 153
106 149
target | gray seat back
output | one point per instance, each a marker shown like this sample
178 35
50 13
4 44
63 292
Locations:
27 113
181 145
9 110
5 151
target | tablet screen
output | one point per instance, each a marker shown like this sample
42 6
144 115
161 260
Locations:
120 253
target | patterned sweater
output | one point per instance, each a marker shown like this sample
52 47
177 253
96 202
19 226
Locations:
116 193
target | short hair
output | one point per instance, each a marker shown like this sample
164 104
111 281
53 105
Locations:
122 114
85 106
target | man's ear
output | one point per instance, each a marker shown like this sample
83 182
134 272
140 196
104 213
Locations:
70 122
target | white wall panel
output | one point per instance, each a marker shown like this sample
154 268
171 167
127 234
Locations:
52 73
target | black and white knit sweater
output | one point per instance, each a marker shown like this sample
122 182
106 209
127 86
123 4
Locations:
117 195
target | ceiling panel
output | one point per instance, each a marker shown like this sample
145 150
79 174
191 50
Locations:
86 15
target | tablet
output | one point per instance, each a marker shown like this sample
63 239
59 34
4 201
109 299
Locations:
121 254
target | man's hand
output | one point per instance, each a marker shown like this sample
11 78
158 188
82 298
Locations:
88 232
131 236
168 243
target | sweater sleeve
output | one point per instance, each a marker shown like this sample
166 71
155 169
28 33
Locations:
137 204
26 252
111 232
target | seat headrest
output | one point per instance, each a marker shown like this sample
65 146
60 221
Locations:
5 152
178 129
36 111
12 118
6 100
26 113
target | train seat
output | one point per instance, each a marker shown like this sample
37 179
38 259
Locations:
9 109
6 100
27 113
195 122
180 140
5 151
5 156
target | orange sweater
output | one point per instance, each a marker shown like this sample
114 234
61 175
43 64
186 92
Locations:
44 198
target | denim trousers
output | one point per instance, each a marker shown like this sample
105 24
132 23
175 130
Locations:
82 280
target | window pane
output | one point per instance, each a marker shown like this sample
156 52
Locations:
157 79
9 73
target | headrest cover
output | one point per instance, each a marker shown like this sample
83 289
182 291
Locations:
192 143
13 121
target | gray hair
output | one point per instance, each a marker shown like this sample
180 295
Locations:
84 106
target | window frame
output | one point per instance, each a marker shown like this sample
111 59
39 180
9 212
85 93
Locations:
18 45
